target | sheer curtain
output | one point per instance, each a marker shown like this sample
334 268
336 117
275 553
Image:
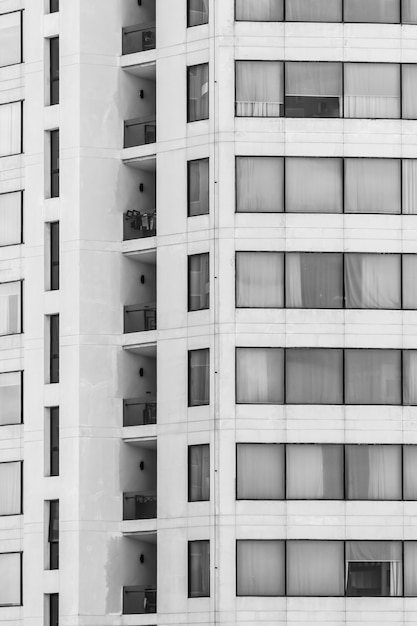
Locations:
385 11
10 308
373 472
259 279
10 579
198 12
198 187
372 90
259 88
260 568
409 12
259 184
321 191
10 51
10 218
10 481
410 568
378 552
373 281
259 10
260 471
199 282
410 377
313 10
314 280
260 375
410 472
10 398
199 569
199 378
199 476
372 376
372 186
315 568
409 271
10 129
314 376
313 79
198 92
410 186
314 472
409 88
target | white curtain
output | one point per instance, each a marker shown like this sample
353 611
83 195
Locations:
260 375
373 472
10 218
10 579
410 186
10 52
409 87
372 376
260 568
199 460
313 10
315 568
199 377
410 568
260 471
409 281
259 88
259 184
10 481
10 308
198 92
373 281
372 90
198 12
385 11
260 279
322 188
199 574
314 472
199 283
314 280
377 552
372 186
198 187
259 10
314 376
10 129
410 377
313 79
409 12
10 400
410 472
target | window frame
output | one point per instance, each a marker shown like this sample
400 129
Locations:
17 243
21 489
283 447
6 156
201 119
21 578
54 450
193 541
54 348
282 541
189 295
189 405
20 36
189 472
53 607
189 185
54 252
201 23
53 6
53 535
21 331
54 70
21 397
54 172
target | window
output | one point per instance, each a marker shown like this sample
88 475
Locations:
198 12
259 89
373 281
313 89
260 471
198 569
314 376
322 188
54 254
409 91
10 398
385 11
259 279
313 10
410 377
54 163
259 375
259 10
53 6
259 184
53 609
374 568
372 90
409 188
53 534
54 349
315 568
260 568
54 70
372 376
10 129
10 38
314 472
11 579
198 282
314 281
198 187
11 218
198 377
199 473
198 92
409 11
10 308
372 186
373 472
11 488
54 441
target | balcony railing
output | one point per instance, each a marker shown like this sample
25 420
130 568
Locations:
137 225
138 38
139 131
137 600
138 505
139 317
138 412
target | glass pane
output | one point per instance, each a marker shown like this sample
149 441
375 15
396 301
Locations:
10 484
314 376
10 129
410 186
314 280
373 281
259 89
322 188
409 11
374 568
259 184
314 472
10 44
198 92
373 472
409 91
54 70
313 89
54 233
372 186
10 312
54 163
199 379
372 90
260 567
10 218
313 10
198 12
410 472
259 375
198 282
10 576
386 11
410 568
372 376
10 398
409 281
315 568
410 377
259 279
198 473
260 473
259 10
54 349
198 187
198 569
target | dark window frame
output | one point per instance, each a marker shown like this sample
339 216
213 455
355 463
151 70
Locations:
53 535
6 156
53 6
21 489
54 71
189 185
18 243
54 348
189 262
200 119
188 17
53 609
54 255
20 35
284 542
54 447
21 577
262 443
205 541
189 476
8 282
189 376
54 158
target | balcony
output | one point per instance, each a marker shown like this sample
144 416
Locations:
138 38
139 318
139 505
137 225
139 131
139 412
138 600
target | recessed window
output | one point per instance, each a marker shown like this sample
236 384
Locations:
373 472
259 184
314 281
11 488
259 375
259 10
53 606
199 473
313 89
374 568
314 376
315 568
259 279
260 471
10 308
10 38
10 129
260 568
322 188
385 11
11 579
53 534
198 377
373 281
198 92
54 441
54 255
10 398
372 376
372 90
198 12
313 10
11 218
314 472
199 569
54 70
259 89
198 282
198 187
54 349
54 137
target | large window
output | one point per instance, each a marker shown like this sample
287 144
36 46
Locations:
315 568
373 472
10 128
259 375
11 579
10 38
53 534
54 349
260 471
54 137
198 12
259 184
260 279
259 10
198 187
54 70
11 488
322 188
10 398
198 282
313 10
198 377
373 281
198 569
10 308
314 376
314 280
198 92
372 90
373 186
11 218
259 89
374 568
372 376
313 89
386 11
260 568
199 473
314 472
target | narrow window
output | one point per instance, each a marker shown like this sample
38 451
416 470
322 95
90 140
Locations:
313 89
305 577
374 568
53 534
322 188
260 471
373 281
314 376
313 10
409 11
198 12
372 376
10 38
10 488
259 184
198 377
54 349
53 6
314 280
10 129
409 186
372 90
259 375
54 163
409 91
410 568
259 89
53 609
54 440
198 473
259 280
10 398
199 569
11 579
198 92
260 568
54 70
11 218
10 308
198 187
372 186
259 10
54 255
373 472
410 377
314 472
198 282
410 473
375 11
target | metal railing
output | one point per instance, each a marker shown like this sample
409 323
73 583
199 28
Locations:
137 225
138 412
138 38
139 317
139 131
137 505
139 599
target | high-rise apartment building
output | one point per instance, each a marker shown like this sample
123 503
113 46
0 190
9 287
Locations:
208 312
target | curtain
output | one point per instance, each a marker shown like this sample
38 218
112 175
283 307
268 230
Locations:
372 186
198 90
410 186
410 472
409 11
260 279
10 308
373 472
321 191
10 129
198 12
10 398
314 376
372 90
199 569
199 282
409 89
385 11
198 187
315 568
10 481
372 281
313 10
409 271
199 477
259 10
372 376
259 184
314 280
259 88
260 567
259 375
410 568
260 473
10 218
199 377
410 377
10 52
10 579
378 552
314 472
313 79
